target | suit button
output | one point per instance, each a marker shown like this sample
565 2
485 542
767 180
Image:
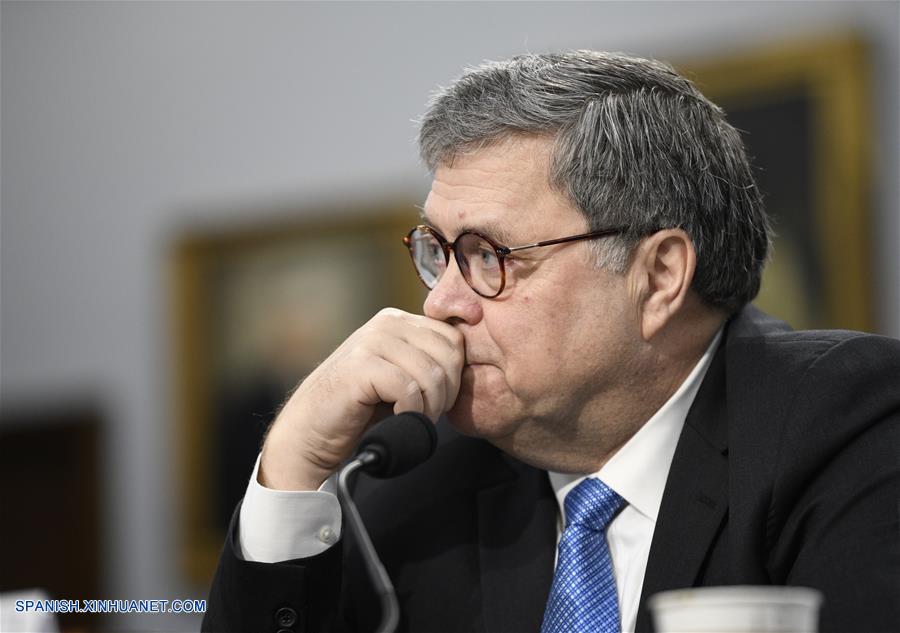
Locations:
285 617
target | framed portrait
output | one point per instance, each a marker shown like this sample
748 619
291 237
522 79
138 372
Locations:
255 310
802 108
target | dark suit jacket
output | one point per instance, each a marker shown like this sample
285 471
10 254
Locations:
786 473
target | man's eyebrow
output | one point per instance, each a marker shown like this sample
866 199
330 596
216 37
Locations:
492 230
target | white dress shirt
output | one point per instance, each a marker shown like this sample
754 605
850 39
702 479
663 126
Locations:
278 525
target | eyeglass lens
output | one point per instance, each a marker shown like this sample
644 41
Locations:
477 260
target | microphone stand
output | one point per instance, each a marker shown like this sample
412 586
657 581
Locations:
390 611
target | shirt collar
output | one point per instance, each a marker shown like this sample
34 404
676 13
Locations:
638 471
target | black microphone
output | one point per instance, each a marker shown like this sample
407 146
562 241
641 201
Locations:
397 444
392 447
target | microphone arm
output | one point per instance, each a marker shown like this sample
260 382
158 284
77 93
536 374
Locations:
390 448
390 611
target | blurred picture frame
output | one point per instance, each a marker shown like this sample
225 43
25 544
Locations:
254 310
803 108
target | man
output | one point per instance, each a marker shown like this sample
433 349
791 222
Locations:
591 240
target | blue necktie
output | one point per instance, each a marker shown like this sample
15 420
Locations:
583 596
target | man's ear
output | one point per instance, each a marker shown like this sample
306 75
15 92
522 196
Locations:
662 270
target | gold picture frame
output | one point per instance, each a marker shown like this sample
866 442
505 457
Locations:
820 272
254 310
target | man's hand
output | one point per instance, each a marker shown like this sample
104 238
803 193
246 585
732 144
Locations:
407 360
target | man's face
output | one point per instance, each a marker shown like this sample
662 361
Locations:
552 349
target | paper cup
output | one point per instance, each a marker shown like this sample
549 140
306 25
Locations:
739 609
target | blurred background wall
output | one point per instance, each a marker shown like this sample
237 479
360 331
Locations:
128 125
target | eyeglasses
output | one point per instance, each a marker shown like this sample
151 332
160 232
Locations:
480 259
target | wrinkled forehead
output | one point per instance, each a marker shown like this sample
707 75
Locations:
503 190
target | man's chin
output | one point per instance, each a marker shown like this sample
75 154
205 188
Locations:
474 419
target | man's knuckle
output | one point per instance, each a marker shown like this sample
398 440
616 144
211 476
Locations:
426 364
457 340
398 375
389 313
445 338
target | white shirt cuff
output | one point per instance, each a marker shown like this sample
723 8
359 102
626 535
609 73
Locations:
279 525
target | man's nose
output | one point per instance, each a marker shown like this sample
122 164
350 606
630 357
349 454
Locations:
452 299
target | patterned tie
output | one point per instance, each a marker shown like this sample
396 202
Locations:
583 596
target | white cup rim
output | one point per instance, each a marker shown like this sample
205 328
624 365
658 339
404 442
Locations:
737 594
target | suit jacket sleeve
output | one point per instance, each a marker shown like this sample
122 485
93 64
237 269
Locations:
251 597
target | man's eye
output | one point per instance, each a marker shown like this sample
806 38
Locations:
487 258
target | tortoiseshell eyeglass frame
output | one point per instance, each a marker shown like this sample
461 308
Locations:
501 250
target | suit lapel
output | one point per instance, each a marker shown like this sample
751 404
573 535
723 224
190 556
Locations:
516 540
695 500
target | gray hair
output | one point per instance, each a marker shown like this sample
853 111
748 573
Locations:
635 145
